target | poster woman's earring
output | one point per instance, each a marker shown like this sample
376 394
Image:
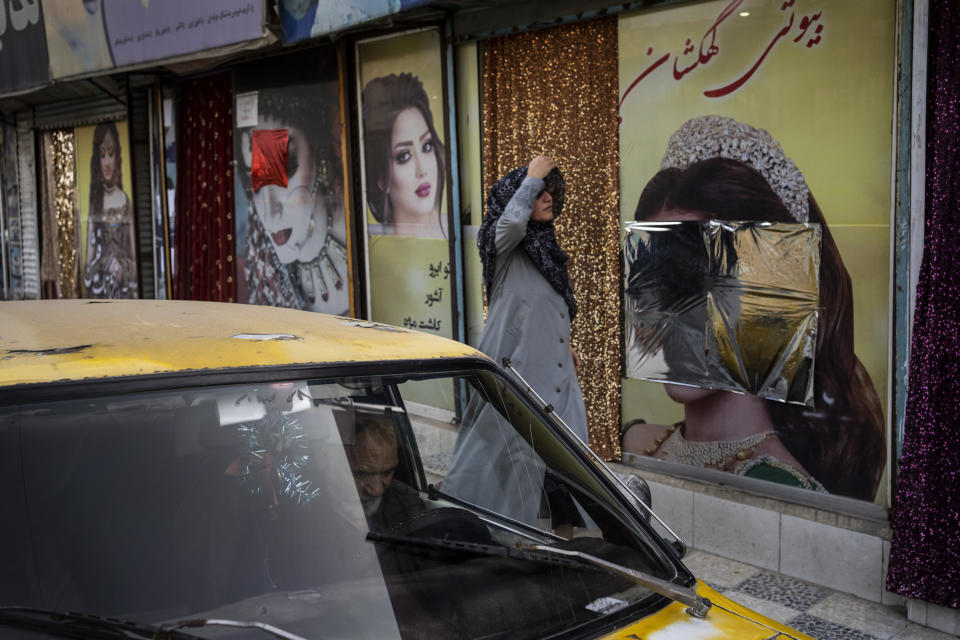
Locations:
314 190
322 182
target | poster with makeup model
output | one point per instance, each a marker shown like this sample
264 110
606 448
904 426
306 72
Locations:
405 178
108 258
293 247
803 93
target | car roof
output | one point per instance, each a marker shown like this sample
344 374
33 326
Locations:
43 341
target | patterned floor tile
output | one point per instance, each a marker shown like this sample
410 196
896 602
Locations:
772 610
824 630
819 612
868 617
783 590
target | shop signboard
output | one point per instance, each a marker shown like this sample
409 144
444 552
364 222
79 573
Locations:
108 253
405 178
302 19
98 35
23 46
293 233
411 273
802 92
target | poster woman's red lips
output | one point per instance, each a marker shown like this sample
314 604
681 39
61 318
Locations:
424 189
280 237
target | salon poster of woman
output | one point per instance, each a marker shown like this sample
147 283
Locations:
292 239
819 77
108 264
405 182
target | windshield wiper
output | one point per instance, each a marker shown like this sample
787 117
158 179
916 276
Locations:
697 606
434 492
83 625
481 549
243 624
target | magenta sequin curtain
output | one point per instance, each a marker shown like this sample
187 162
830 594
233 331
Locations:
925 549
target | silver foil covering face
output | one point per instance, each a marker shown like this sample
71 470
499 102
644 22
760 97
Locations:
723 305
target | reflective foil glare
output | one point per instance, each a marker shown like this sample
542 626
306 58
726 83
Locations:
723 305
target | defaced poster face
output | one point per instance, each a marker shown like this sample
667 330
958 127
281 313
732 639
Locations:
405 177
292 233
108 260
748 111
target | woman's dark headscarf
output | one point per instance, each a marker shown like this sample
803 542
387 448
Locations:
540 241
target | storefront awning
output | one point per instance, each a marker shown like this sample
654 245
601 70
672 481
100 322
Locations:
49 41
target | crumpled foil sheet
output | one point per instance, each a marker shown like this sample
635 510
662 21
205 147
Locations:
723 305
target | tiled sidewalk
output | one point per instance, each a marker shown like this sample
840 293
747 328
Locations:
816 611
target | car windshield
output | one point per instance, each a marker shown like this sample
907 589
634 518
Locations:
375 506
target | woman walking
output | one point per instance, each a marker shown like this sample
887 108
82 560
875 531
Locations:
530 308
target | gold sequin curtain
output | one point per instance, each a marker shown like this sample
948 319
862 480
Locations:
204 241
60 262
555 92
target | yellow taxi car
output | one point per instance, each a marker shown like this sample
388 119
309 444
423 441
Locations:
204 470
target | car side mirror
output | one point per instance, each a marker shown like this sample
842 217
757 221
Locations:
641 489
640 492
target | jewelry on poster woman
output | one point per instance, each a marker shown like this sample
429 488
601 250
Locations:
716 454
309 276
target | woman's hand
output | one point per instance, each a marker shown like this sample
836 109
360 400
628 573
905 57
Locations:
540 166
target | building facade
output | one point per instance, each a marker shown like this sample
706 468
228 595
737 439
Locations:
246 153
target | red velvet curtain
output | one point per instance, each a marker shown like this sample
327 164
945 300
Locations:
204 237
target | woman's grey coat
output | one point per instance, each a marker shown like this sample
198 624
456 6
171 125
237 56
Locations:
528 322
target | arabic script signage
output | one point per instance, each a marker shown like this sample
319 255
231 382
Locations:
97 35
799 29
156 30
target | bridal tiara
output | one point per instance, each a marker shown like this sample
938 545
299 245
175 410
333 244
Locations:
719 137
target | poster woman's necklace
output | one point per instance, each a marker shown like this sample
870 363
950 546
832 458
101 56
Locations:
309 276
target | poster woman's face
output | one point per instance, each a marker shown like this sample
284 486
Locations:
686 341
413 168
108 158
293 216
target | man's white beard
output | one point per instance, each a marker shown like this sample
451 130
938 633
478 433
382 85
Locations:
370 507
